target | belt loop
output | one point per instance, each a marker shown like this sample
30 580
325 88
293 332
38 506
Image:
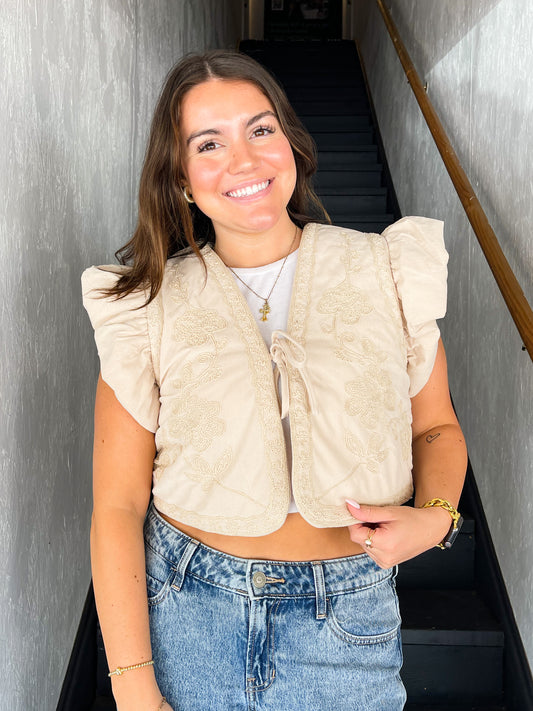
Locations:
181 568
320 590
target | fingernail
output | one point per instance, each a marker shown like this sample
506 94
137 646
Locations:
353 503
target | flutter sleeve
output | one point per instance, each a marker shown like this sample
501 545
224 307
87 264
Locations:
123 342
419 266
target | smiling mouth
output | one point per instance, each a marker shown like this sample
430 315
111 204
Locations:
249 190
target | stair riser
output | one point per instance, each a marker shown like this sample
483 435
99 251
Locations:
324 93
343 140
326 181
438 569
349 160
355 204
338 106
310 63
349 122
448 673
316 81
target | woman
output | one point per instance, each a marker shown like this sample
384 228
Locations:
261 583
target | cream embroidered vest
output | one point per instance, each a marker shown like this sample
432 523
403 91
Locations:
357 326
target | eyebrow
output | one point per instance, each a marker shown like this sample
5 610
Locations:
217 132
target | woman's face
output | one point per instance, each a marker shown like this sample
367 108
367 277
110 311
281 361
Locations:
238 163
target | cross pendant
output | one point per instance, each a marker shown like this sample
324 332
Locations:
264 311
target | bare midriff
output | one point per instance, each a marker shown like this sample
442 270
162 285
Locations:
295 540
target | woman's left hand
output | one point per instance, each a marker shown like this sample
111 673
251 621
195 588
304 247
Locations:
397 533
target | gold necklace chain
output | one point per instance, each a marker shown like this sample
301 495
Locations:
265 308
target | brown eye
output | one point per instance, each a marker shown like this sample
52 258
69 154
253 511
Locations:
263 130
207 146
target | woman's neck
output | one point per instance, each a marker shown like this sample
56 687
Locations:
241 250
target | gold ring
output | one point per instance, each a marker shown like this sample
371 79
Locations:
368 539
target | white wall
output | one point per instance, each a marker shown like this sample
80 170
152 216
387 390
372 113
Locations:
79 79
477 58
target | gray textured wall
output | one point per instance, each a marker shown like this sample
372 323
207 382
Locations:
477 58
79 80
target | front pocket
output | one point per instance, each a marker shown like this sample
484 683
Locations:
366 616
160 574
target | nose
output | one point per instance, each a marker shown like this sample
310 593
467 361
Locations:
243 157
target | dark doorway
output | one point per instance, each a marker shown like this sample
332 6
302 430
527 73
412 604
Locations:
303 19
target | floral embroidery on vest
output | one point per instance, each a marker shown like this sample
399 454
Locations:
195 421
369 455
344 302
370 397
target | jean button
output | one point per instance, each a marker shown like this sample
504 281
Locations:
259 579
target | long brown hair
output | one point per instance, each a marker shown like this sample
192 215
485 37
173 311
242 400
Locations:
167 223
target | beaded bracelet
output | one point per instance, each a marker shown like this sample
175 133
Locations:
120 670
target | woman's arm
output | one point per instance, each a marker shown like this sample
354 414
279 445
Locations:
123 461
439 450
439 467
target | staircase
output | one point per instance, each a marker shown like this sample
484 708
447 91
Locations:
452 644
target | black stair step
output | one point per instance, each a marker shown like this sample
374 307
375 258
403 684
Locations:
324 93
322 51
361 201
316 80
447 616
342 140
299 62
347 160
443 569
342 182
335 106
452 647
318 45
347 122
290 68
294 68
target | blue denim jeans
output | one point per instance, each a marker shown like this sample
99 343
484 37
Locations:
232 634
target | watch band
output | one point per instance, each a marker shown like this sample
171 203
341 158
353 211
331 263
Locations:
457 521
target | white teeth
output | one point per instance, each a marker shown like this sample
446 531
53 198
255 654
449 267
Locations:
249 190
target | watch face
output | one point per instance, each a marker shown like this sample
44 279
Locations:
453 533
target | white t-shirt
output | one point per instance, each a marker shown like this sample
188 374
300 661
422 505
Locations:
261 279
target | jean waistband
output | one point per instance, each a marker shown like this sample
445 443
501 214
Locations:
258 578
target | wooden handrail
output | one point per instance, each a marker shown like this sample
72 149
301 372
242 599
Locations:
511 290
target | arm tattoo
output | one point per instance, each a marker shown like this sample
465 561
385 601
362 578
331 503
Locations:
431 438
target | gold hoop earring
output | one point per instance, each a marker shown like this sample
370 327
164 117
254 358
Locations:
187 196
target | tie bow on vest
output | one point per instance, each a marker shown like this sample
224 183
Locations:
285 353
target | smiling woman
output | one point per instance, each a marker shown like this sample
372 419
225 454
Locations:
262 371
